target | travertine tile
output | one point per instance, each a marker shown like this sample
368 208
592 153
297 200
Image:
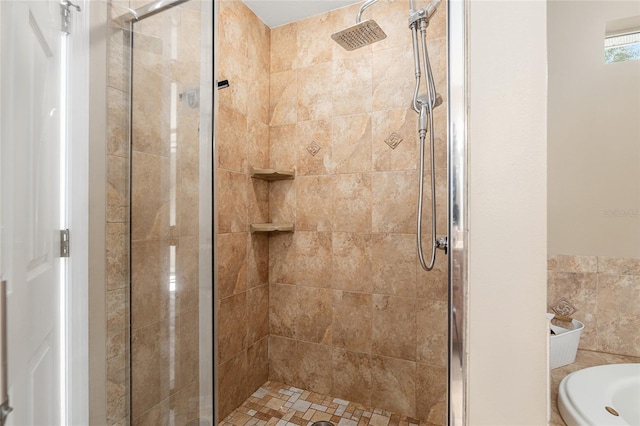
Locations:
282 359
282 257
258 143
257 200
313 259
149 282
394 264
117 123
187 199
312 39
313 203
313 134
352 86
352 315
150 113
393 385
352 203
394 327
401 122
431 329
393 81
581 289
257 364
258 260
352 262
282 146
314 98
314 361
577 263
231 140
149 196
398 213
433 284
232 214
283 92
351 143
232 326
284 43
232 264
282 310
148 357
618 314
258 313
351 375
232 377
620 266
117 255
314 315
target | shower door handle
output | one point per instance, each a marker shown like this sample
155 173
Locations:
5 409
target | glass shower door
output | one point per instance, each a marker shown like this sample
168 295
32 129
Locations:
170 220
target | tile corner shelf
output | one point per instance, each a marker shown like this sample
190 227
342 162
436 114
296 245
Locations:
272 174
271 227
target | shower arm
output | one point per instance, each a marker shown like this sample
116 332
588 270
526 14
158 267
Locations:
362 9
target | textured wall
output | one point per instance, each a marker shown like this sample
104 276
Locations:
605 291
352 314
117 227
242 141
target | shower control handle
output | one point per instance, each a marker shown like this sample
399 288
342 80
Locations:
443 244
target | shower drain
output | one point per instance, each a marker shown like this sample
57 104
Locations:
322 423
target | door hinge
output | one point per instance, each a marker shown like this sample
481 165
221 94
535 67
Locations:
64 243
65 14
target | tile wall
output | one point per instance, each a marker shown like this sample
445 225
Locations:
606 293
117 226
242 141
340 306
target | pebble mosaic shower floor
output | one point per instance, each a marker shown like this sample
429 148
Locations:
277 404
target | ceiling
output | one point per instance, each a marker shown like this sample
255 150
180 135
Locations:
279 12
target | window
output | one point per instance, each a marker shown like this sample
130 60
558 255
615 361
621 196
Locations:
622 47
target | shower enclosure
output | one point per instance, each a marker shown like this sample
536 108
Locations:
160 198
338 306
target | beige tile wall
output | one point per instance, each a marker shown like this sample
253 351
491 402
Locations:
117 227
351 312
242 141
606 293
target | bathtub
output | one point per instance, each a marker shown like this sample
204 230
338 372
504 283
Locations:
595 395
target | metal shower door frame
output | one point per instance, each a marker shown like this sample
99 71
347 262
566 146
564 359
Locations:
458 214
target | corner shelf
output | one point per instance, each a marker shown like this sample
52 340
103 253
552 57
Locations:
272 174
271 227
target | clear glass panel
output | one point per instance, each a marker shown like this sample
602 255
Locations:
167 227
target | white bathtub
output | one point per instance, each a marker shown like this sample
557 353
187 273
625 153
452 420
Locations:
584 395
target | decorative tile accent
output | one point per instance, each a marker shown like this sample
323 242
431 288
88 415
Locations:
270 405
393 140
563 307
313 148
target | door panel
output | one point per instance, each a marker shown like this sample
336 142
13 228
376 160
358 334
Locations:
30 114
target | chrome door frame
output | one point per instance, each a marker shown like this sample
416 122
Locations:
458 214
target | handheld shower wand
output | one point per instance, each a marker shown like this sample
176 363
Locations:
424 105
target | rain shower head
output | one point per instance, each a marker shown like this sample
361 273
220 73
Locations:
359 35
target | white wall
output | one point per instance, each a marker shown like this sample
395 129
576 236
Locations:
594 135
507 383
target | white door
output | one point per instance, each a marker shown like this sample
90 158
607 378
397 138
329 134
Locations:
31 212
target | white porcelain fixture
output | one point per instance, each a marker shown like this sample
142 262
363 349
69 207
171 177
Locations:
602 395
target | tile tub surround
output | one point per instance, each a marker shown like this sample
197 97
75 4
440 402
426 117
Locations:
338 289
584 359
279 404
606 294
